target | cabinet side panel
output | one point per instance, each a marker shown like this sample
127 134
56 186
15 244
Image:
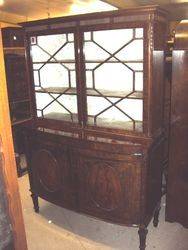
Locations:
154 182
157 95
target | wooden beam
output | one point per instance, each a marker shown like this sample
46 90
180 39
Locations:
9 166
177 11
11 17
122 4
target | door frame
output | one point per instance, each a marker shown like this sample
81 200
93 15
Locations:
8 164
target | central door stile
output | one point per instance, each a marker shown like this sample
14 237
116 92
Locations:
81 89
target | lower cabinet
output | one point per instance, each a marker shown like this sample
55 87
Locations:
99 183
108 185
118 183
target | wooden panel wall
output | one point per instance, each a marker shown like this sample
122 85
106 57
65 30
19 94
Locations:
177 188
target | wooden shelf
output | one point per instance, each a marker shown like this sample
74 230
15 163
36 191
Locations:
109 123
58 90
92 92
20 101
92 61
101 122
116 94
20 121
14 50
61 117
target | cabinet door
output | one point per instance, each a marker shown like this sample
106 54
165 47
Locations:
51 177
108 186
114 78
54 76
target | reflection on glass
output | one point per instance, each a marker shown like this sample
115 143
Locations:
113 76
58 107
38 55
112 40
51 43
133 51
66 53
53 74
139 81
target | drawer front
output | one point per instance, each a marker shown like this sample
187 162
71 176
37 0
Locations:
109 185
51 176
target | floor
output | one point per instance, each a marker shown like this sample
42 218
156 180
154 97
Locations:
55 228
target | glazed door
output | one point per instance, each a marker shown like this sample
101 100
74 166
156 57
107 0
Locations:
53 60
113 61
108 185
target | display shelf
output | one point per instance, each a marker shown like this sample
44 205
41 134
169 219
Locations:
110 123
58 90
119 94
111 60
114 60
20 101
103 122
61 117
14 50
21 121
93 92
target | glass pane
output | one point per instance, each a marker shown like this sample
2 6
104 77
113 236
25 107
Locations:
120 79
89 79
112 40
135 66
66 53
42 100
38 55
94 52
36 78
73 79
133 108
59 107
94 109
127 114
70 102
133 51
139 81
37 66
54 74
139 32
51 43
87 36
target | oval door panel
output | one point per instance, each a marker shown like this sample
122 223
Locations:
47 169
104 186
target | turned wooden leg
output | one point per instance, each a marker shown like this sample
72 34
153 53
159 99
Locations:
142 235
35 202
156 217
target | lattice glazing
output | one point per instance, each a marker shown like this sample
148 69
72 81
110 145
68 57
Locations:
114 78
54 74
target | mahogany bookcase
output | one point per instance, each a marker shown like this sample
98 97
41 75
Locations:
95 144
